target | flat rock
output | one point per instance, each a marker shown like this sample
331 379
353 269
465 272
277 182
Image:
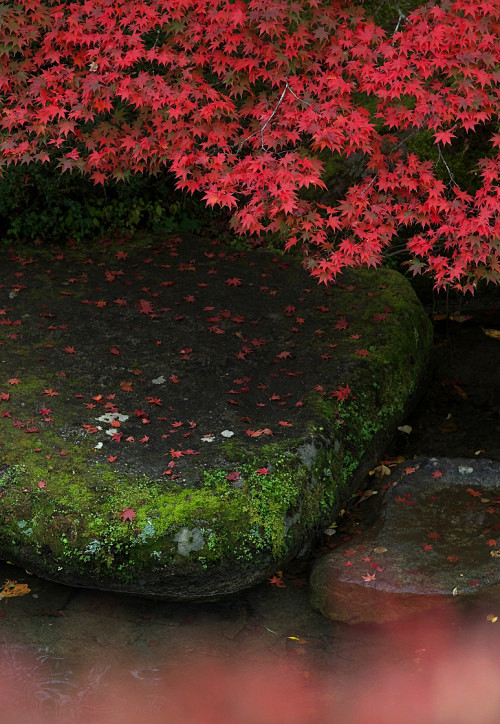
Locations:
438 537
179 418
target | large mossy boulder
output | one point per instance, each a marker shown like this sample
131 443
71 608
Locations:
179 418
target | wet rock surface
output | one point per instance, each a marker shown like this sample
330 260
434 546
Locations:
437 538
178 419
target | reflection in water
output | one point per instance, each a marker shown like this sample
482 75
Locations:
423 675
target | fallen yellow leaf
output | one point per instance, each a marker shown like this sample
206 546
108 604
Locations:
12 589
405 428
457 317
459 390
297 640
495 333
380 471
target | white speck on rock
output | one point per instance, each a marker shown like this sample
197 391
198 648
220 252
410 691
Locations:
110 416
227 433
159 380
308 453
465 470
189 540
207 438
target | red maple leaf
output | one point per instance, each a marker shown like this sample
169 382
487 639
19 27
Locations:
234 282
145 306
50 392
277 581
127 514
342 393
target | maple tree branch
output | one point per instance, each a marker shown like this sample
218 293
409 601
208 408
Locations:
401 143
441 158
401 17
370 184
156 39
301 100
275 110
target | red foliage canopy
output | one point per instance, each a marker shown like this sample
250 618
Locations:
240 100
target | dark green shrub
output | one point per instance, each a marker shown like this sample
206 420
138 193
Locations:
38 202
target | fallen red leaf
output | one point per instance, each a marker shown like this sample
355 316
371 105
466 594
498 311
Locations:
342 393
277 581
144 306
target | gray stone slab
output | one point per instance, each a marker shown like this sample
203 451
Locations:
178 418
438 538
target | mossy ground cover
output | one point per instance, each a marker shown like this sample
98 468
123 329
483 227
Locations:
179 417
